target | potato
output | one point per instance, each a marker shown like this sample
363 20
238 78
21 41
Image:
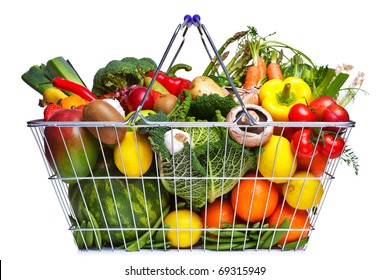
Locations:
205 85
101 111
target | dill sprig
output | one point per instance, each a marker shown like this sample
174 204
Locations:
350 158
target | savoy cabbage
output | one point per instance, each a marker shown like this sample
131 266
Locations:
208 167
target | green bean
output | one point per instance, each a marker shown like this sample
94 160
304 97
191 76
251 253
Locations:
226 232
160 235
226 239
256 233
140 242
220 246
277 235
162 245
256 225
89 235
247 245
243 226
94 224
295 245
264 235
79 235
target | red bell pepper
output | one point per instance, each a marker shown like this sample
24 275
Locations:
175 85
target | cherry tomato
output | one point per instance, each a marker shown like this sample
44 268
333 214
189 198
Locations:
298 113
331 147
302 143
320 104
301 113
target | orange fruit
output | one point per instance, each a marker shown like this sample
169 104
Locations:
213 214
72 101
255 198
299 222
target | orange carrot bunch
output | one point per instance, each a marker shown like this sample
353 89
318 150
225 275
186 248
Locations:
258 69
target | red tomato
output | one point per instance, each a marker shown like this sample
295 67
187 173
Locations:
298 113
301 113
315 165
320 104
302 143
288 132
331 147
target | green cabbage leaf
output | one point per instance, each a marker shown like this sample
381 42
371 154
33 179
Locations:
208 167
205 172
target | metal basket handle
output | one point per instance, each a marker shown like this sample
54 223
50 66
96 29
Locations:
187 23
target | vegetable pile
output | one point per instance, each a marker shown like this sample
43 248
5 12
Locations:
155 160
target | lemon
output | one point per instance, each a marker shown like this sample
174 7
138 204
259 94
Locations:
133 155
304 191
185 227
277 160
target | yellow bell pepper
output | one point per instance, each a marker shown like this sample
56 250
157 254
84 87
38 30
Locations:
278 96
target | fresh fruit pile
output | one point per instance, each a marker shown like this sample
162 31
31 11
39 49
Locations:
249 154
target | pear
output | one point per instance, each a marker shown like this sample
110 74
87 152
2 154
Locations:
157 86
205 85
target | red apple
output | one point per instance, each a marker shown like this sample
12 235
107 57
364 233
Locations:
335 113
135 97
71 151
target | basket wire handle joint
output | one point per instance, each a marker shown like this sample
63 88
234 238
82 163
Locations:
187 23
200 26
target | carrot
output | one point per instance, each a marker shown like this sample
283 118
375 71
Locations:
273 69
252 76
258 68
262 66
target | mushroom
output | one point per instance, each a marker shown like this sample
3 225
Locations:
248 96
243 132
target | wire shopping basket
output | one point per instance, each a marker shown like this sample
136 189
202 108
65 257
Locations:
162 183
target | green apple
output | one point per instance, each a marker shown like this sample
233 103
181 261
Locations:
142 112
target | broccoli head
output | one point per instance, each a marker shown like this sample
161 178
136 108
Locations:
119 74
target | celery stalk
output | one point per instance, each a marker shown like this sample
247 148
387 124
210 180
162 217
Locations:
333 89
319 91
331 84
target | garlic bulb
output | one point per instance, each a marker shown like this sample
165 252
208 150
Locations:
174 140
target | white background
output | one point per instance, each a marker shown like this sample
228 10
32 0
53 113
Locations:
352 232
